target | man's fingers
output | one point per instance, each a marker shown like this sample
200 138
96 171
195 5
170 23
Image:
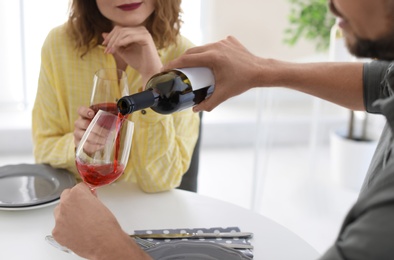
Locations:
65 193
206 105
189 60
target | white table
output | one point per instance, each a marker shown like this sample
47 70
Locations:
22 232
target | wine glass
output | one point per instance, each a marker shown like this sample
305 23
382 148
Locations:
109 85
103 152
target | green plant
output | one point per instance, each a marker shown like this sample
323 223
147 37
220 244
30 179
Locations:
309 19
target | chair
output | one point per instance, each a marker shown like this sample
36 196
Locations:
190 178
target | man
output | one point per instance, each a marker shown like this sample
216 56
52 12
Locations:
368 230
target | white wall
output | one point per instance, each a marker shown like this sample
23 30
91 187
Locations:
258 24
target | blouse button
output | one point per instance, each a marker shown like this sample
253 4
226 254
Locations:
143 111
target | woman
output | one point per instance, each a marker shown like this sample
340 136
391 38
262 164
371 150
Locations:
139 38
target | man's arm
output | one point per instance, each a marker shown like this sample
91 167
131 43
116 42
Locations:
237 70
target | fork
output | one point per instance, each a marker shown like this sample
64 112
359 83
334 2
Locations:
145 244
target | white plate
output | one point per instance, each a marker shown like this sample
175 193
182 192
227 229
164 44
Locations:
28 186
43 205
194 250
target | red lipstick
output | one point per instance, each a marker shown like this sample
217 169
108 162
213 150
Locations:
129 7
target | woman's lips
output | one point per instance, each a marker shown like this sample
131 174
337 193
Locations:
129 7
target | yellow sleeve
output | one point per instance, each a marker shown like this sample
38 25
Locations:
52 133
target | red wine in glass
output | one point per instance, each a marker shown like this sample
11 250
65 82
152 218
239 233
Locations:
109 107
99 175
103 151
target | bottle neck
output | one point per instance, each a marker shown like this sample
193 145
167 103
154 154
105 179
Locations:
137 101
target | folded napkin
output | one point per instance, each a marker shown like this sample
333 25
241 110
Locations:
246 241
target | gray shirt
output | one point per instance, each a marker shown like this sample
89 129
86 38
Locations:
368 229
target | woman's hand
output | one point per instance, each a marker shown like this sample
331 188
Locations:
136 47
81 124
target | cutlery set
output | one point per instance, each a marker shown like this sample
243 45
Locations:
141 238
196 235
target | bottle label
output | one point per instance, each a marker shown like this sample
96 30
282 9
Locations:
199 77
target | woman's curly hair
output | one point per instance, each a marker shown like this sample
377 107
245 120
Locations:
86 23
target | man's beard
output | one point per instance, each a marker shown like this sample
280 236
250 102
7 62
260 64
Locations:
382 49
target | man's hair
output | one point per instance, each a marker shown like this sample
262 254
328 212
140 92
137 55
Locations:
86 23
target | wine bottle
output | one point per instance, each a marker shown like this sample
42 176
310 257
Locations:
171 91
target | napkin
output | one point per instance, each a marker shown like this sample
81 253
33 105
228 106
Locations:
247 241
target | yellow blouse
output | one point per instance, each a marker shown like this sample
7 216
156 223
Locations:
162 144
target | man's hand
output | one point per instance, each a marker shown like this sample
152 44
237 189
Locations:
84 225
232 64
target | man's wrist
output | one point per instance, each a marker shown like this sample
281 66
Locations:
120 247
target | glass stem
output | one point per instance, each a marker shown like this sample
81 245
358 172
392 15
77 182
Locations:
94 192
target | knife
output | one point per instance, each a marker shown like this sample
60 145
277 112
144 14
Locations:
196 235
238 246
